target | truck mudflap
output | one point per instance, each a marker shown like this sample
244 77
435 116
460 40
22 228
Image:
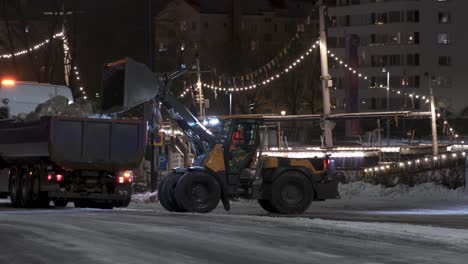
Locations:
93 196
326 190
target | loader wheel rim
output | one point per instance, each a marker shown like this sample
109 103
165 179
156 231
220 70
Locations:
291 194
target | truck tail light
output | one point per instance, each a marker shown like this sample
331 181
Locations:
59 177
125 176
49 177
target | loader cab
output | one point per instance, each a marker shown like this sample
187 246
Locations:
240 138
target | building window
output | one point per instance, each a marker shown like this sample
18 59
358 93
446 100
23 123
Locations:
443 39
254 45
412 16
162 47
395 17
445 61
183 26
254 28
300 28
412 59
268 37
413 38
275 28
444 17
206 24
194 25
444 82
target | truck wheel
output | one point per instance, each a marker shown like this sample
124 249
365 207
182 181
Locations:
25 196
198 192
60 203
292 193
267 206
166 193
38 199
14 189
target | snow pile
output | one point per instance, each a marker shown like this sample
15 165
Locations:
426 191
58 105
148 197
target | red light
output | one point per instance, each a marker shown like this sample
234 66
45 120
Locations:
121 179
59 177
325 164
49 177
8 82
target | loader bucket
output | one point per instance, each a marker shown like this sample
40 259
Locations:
126 84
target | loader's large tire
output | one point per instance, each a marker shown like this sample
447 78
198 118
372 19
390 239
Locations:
14 188
166 193
198 192
292 193
267 206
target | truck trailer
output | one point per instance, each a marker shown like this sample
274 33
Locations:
86 161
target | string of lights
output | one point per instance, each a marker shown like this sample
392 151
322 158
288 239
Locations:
59 35
33 48
447 129
254 85
411 164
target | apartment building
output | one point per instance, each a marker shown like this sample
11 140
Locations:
410 39
230 38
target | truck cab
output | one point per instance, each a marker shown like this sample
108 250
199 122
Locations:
18 97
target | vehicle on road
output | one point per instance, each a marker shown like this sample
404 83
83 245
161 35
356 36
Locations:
86 161
222 169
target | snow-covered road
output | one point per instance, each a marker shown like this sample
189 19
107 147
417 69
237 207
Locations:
369 225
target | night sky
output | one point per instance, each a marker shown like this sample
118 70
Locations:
108 30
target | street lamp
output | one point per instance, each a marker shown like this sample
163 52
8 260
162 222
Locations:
388 104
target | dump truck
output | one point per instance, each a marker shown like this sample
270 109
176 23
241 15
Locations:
87 161
222 169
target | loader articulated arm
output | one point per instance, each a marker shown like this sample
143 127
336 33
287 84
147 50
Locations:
128 84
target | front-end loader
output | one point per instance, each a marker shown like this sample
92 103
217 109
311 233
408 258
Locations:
228 163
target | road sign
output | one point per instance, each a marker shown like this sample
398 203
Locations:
158 139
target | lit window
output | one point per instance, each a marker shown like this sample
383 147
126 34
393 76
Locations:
443 39
444 17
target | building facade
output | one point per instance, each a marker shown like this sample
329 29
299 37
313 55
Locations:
416 41
230 38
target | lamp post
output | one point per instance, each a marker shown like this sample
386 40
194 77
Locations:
388 104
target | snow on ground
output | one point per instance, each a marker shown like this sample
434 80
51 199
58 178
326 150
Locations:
426 191
148 197
370 230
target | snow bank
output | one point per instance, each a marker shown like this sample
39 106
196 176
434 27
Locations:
426 191
148 197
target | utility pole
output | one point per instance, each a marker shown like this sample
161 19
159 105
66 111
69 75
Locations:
200 90
388 105
328 125
435 147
